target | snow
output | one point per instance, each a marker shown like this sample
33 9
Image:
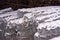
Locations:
10 15
50 16
0 30
50 25
56 38
47 17
6 10
37 34
7 34
17 21
28 15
